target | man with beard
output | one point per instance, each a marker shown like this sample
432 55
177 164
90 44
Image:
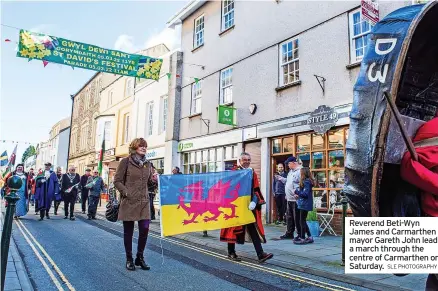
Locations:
70 184
46 190
85 191
58 197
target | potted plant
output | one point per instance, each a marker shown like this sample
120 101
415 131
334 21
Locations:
313 223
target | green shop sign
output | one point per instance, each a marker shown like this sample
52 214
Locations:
227 115
184 146
76 54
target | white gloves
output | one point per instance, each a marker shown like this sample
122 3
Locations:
252 205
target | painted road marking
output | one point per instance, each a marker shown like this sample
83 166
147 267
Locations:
43 262
61 275
297 278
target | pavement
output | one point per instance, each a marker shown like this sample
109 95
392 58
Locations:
89 255
16 275
323 258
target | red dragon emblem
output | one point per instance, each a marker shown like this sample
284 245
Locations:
216 199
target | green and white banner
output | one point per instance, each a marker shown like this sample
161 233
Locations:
76 54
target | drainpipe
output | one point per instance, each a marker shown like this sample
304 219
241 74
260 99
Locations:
71 124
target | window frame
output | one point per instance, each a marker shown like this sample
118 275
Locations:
229 85
150 118
326 150
201 31
126 128
352 37
287 63
165 113
193 108
225 14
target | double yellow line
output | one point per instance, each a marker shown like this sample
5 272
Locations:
34 244
301 279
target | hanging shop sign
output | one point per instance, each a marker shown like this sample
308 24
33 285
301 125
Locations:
322 119
370 11
155 153
76 54
184 146
227 115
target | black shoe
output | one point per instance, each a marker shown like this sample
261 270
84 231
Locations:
130 265
264 257
65 217
72 218
83 212
55 213
287 236
47 215
41 219
234 257
139 261
89 218
94 218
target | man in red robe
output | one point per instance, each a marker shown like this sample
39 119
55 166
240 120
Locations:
254 230
424 174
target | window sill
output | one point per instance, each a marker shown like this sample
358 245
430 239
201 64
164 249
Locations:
197 48
225 104
227 30
296 83
194 115
353 65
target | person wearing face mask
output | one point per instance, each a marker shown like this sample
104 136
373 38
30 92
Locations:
46 190
255 231
96 189
21 207
133 177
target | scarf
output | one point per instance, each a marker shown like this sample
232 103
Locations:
139 160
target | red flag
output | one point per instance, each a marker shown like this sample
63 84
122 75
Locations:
45 63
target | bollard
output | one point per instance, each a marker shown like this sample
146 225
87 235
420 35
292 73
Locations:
344 203
14 183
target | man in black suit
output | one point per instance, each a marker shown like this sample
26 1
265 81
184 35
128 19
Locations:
85 191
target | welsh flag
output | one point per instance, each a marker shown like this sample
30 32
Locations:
102 151
11 163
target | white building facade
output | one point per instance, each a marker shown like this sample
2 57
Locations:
275 63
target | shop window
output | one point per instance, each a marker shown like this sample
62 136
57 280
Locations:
208 160
276 146
288 145
318 160
219 154
303 143
323 154
336 138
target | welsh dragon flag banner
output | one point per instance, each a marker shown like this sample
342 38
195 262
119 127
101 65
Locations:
198 202
58 50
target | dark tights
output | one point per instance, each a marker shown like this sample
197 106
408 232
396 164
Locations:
128 232
302 224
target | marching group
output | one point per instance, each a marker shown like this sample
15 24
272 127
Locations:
48 188
136 182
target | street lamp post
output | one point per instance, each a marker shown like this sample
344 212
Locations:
344 202
14 183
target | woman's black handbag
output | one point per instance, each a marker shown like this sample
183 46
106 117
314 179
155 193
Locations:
112 207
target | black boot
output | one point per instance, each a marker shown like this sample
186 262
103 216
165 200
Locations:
130 264
47 215
139 261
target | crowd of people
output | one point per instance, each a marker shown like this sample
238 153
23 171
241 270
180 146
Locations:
47 188
136 182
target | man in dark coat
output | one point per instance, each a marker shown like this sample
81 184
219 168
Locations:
45 191
95 185
70 184
84 191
